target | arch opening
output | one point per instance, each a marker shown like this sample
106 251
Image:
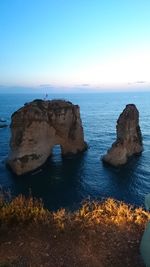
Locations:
57 153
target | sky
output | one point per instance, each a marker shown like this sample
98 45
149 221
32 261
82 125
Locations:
75 43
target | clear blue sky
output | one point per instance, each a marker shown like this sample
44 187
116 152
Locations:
74 42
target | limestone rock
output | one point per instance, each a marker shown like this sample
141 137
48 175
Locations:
129 138
40 125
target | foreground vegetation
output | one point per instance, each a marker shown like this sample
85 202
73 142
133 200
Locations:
98 234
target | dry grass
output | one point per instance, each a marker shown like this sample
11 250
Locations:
22 210
111 211
98 234
91 213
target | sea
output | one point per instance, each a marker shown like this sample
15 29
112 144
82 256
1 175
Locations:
65 183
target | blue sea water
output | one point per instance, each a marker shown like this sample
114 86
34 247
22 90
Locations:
66 182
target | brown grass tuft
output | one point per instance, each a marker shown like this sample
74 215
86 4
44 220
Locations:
91 213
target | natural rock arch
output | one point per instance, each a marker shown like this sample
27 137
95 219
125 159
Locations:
40 125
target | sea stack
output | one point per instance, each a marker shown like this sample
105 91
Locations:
129 138
40 125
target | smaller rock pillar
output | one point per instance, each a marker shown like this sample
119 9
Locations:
129 138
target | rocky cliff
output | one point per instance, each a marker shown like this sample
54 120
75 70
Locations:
129 138
40 125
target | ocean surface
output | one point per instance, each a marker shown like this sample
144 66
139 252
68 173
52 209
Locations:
66 182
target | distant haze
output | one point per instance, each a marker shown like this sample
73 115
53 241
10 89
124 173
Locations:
74 46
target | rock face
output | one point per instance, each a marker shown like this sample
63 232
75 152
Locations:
40 125
129 138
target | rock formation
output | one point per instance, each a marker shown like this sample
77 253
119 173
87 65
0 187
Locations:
40 125
129 139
